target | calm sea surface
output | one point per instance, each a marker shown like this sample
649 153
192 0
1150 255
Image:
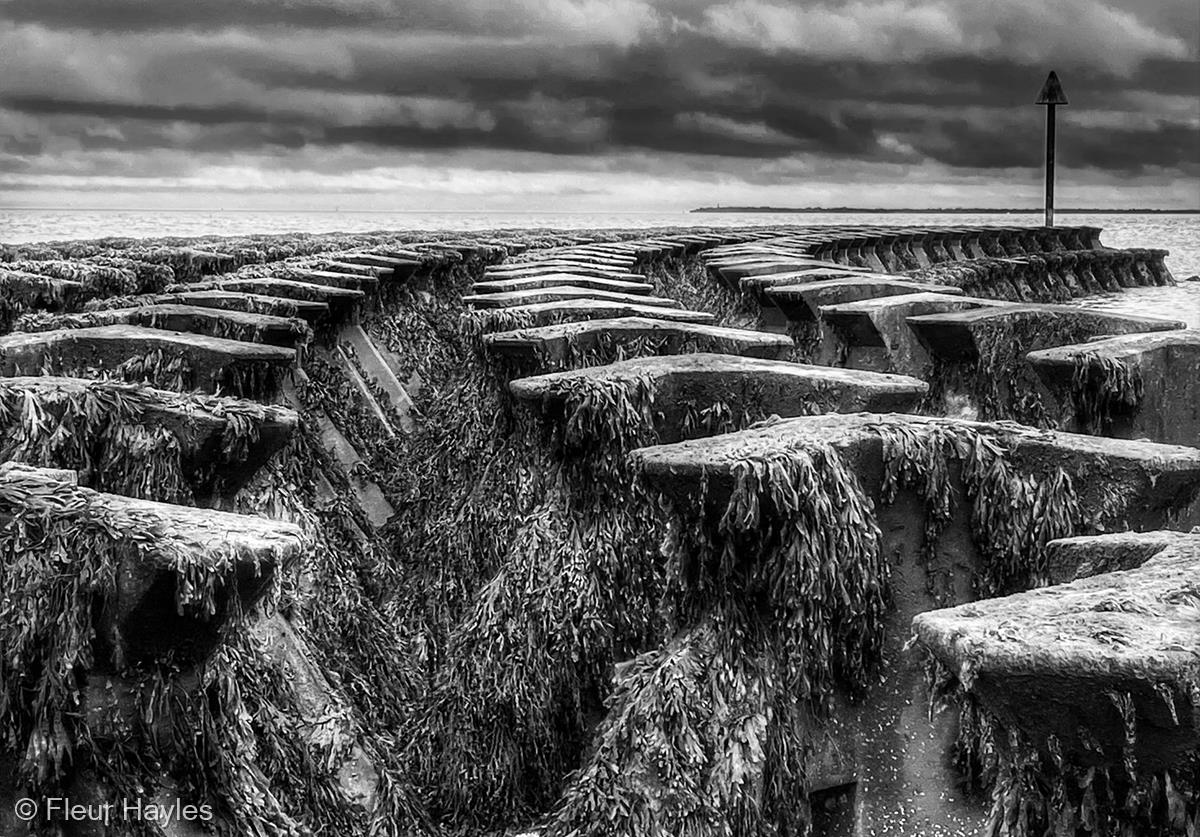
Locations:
1178 233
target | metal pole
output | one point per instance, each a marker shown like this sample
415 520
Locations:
1050 165
1052 96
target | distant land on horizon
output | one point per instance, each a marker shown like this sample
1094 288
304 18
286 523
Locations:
943 211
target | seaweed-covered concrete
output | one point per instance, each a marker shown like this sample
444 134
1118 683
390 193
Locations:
1088 692
690 390
1143 385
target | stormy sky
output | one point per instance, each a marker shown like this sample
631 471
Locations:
584 104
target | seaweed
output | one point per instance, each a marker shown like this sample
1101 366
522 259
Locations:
1035 789
1104 390
776 601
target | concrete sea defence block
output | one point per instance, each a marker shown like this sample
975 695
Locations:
222 441
190 360
802 303
757 286
214 322
21 292
565 345
180 573
1069 559
958 334
311 311
733 273
876 335
521 270
1131 386
558 293
1163 477
549 313
688 389
1089 686
342 302
398 268
979 356
553 280
332 278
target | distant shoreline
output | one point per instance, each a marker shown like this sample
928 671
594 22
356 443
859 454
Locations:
851 210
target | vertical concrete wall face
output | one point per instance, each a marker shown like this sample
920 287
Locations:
616 532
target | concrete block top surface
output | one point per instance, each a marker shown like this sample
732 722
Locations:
1052 661
872 321
509 299
1034 309
680 466
135 338
632 328
191 408
167 313
1060 625
1087 555
596 308
203 534
333 278
523 269
243 301
551 280
1124 346
953 333
803 302
272 286
700 370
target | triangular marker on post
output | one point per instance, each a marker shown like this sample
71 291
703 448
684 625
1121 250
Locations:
1052 92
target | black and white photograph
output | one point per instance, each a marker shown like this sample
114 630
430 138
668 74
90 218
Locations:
599 418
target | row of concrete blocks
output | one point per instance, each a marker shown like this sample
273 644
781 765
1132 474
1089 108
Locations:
182 324
789 389
1060 274
906 248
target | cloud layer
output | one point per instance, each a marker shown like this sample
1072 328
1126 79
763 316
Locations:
573 103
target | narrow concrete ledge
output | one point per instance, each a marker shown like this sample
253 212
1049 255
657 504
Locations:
209 362
199 423
342 302
311 311
554 347
955 334
559 293
1160 370
24 292
369 496
334 279
549 313
1050 661
321 706
876 332
525 270
736 272
380 373
554 280
757 286
214 322
801 303
398 268
154 610
1070 559
694 382
577 255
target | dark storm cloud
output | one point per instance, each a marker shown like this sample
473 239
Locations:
887 82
